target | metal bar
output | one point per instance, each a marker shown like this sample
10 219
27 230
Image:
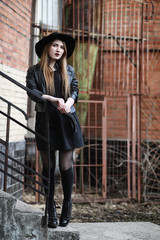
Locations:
104 148
96 160
21 164
64 17
89 152
11 104
48 152
92 36
112 69
83 30
124 55
137 73
82 174
23 87
134 45
128 147
6 149
2 142
106 41
78 38
134 137
100 46
139 107
73 4
89 31
114 147
147 52
22 125
37 177
47 14
21 173
88 165
120 55
128 47
115 46
22 182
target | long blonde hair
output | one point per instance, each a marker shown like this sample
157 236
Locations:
49 74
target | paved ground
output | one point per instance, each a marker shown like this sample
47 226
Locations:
117 231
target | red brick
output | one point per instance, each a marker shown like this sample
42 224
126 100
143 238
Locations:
15 21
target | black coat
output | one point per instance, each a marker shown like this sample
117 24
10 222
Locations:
65 131
35 81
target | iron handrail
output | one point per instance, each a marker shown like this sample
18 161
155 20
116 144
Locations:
23 174
22 125
44 218
11 104
23 87
31 92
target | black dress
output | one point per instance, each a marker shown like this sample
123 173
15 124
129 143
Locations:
65 131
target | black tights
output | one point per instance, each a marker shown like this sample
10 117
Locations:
66 169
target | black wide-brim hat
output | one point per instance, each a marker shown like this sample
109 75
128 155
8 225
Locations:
69 41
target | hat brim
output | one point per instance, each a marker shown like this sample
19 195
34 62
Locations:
69 41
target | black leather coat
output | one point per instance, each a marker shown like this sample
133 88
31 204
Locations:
35 81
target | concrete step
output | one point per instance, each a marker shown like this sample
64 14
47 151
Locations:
21 221
118 231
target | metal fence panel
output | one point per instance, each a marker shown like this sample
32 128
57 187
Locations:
116 60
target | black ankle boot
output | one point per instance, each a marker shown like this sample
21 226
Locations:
52 220
66 214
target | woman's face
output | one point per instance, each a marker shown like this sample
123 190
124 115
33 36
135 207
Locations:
56 50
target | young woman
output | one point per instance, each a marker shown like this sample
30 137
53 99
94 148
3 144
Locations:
55 81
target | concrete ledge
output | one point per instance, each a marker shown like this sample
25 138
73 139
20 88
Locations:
60 233
7 223
21 221
24 207
118 231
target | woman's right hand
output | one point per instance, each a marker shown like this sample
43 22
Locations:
58 101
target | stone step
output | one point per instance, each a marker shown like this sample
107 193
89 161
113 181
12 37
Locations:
21 221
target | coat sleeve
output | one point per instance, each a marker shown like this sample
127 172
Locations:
32 83
73 85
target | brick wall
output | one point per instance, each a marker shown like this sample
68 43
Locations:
14 61
121 72
122 28
15 33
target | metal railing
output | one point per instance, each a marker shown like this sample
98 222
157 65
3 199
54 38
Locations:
47 139
6 144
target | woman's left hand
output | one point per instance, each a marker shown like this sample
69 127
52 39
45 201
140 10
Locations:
66 108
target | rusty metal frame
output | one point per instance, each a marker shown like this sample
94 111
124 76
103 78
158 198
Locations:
120 71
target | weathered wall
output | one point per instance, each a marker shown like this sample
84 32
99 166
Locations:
124 57
14 59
